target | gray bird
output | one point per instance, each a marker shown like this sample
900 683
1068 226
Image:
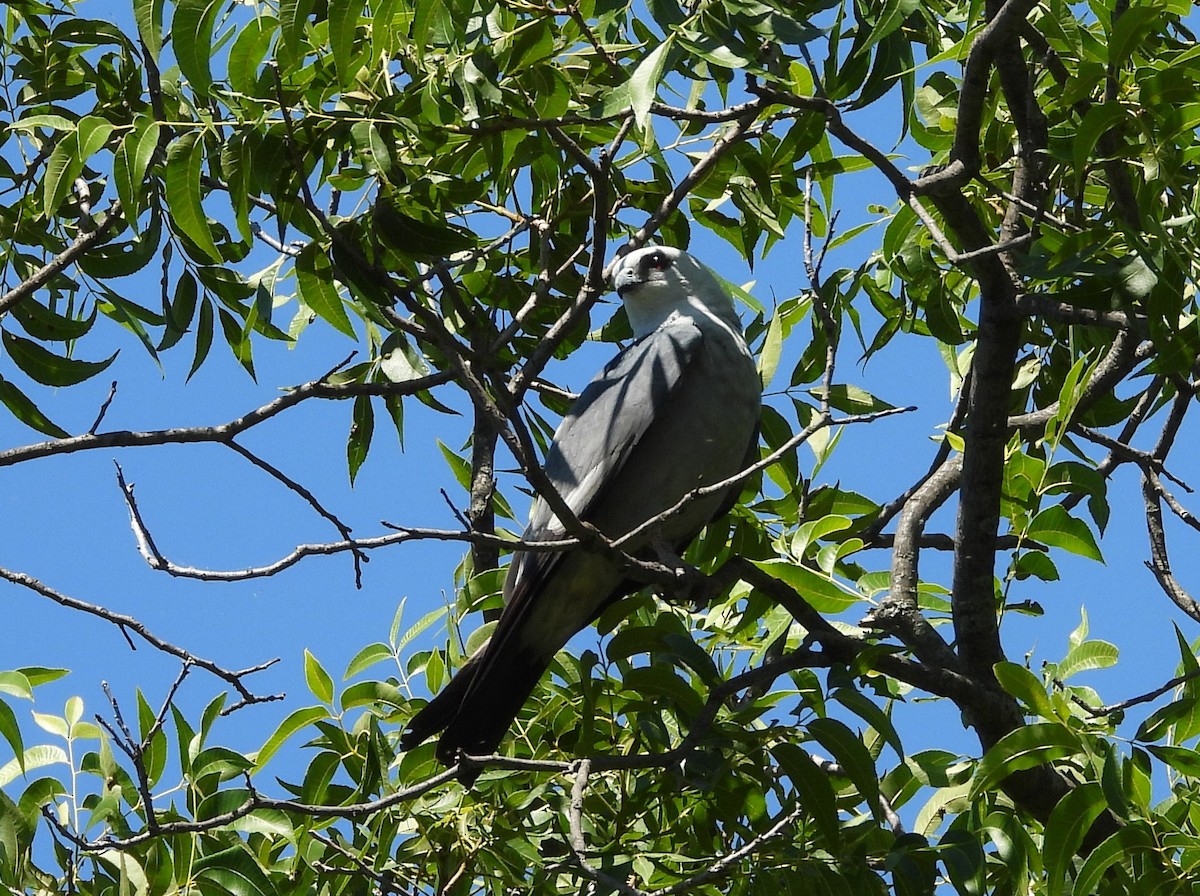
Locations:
675 410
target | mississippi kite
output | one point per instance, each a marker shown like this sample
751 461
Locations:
675 410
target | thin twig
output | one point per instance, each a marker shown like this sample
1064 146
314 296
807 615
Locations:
128 624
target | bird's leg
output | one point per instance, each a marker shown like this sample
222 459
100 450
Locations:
689 581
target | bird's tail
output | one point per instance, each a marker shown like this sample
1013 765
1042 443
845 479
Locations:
476 709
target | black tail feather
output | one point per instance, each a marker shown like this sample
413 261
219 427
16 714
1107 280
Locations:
441 710
489 707
476 709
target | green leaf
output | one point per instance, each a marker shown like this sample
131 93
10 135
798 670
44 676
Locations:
295 721
362 427
131 317
191 37
768 358
1068 824
863 707
314 278
185 162
400 361
47 368
67 160
381 695
1137 279
149 17
129 872
423 238
154 753
395 408
63 166
1184 760
293 16
269 822
247 54
318 680
813 789
16 683
1158 722
131 162
417 627
31 123
1055 527
234 871
204 335
819 591
1098 120
125 258
1120 847
1088 656
237 337
367 657
27 412
1026 687
1024 748
851 399
643 83
223 763
343 23
11 731
37 756
854 758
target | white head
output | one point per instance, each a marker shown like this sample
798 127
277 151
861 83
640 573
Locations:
658 282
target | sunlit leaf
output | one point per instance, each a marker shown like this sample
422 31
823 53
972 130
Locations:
1055 527
185 161
191 36
319 682
1021 749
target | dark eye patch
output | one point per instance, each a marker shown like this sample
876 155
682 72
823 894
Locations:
658 262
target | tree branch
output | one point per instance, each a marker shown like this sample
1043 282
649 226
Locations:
79 246
129 624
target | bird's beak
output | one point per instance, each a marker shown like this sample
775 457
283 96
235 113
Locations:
625 280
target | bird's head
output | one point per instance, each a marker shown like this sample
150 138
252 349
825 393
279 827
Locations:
658 281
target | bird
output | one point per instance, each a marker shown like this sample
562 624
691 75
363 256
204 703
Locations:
677 409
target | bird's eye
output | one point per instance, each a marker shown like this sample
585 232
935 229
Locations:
658 262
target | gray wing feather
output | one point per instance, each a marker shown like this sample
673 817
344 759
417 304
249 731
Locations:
609 419
599 433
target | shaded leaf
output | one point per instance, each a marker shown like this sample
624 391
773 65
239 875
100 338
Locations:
21 407
314 277
1068 825
43 366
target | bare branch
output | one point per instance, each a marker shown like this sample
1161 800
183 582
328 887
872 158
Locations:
223 432
1123 705
309 498
80 245
899 613
128 624
583 770
112 393
688 182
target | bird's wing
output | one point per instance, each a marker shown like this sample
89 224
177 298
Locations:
601 431
609 419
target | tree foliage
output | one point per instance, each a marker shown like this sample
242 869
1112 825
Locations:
441 183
